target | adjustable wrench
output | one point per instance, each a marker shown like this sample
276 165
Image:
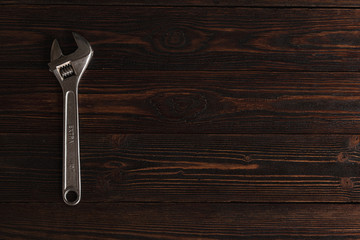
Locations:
69 69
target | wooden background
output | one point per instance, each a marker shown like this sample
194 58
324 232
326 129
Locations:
199 119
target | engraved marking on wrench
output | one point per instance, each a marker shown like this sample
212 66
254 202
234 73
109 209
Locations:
71 133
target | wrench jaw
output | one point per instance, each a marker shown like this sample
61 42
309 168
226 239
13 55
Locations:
70 68
84 47
56 52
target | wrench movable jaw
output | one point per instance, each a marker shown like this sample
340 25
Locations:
55 52
75 64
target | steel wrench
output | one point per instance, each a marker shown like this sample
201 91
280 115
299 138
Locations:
69 69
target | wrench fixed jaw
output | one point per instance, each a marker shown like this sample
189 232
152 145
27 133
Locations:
65 67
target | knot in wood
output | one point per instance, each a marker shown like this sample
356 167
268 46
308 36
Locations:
118 140
179 39
183 106
343 157
175 38
346 183
354 142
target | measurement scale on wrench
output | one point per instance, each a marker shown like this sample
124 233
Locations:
69 69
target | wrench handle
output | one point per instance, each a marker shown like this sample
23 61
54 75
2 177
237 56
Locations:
71 150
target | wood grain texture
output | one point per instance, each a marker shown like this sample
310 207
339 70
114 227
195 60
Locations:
185 168
197 121
180 221
217 3
185 102
181 38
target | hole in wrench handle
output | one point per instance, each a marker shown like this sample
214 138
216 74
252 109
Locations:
71 197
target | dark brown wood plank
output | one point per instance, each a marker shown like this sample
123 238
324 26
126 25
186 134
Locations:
181 38
218 3
180 221
185 168
185 102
